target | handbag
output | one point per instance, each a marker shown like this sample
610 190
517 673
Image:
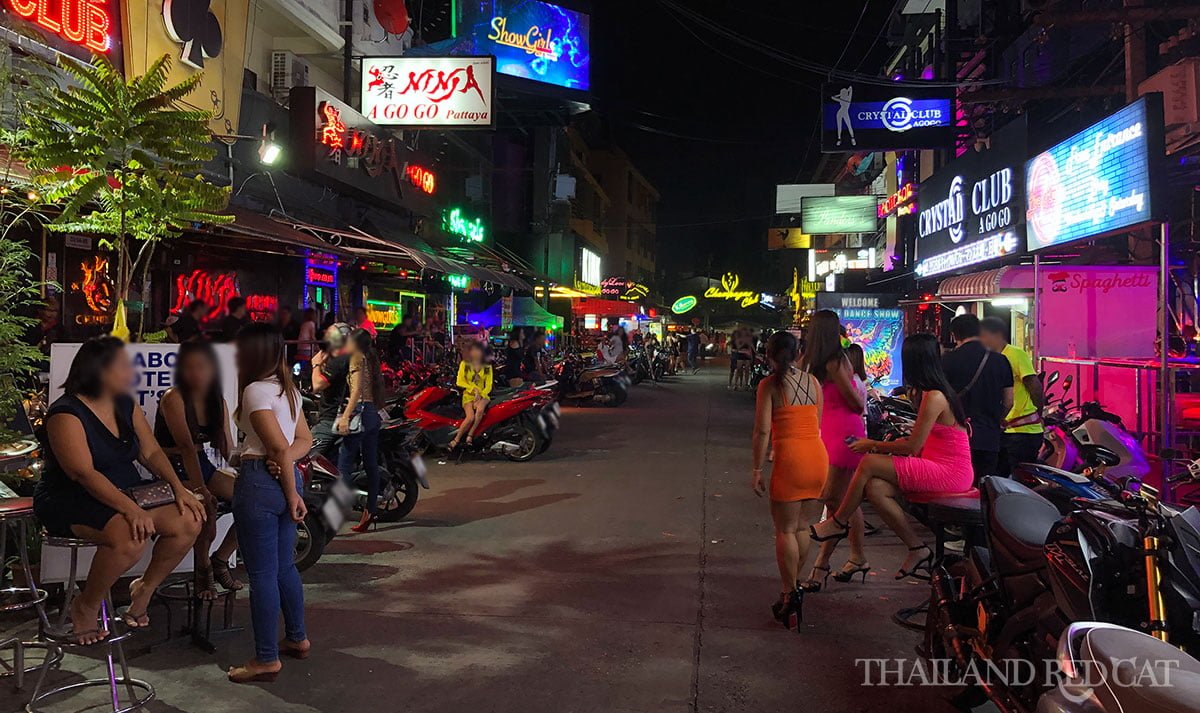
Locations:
151 495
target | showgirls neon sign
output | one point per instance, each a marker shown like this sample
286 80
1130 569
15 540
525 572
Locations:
82 22
534 40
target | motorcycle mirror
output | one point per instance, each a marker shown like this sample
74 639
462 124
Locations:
1052 379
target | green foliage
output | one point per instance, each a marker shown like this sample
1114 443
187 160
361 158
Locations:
120 159
19 293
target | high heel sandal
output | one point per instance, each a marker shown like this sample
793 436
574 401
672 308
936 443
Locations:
846 575
845 530
811 585
789 610
367 522
925 563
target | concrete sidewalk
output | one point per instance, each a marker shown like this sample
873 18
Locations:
630 568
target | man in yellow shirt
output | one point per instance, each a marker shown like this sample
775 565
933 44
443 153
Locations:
1023 432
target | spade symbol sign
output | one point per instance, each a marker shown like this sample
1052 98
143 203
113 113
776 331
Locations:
192 24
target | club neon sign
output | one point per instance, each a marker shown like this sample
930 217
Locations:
459 281
684 304
534 40
82 22
422 178
455 223
729 291
899 202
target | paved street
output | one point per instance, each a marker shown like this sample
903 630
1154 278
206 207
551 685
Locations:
629 569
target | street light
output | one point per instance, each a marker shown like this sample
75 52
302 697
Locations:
269 151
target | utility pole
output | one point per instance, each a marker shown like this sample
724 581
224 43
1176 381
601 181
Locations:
1135 52
347 50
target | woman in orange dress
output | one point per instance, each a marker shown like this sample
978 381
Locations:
789 415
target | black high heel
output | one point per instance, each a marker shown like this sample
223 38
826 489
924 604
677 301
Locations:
925 563
835 537
846 575
811 585
789 610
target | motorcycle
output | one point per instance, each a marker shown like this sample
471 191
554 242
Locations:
327 505
519 423
637 364
605 384
1128 561
1089 436
661 364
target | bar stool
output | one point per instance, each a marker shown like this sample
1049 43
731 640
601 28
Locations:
16 517
62 636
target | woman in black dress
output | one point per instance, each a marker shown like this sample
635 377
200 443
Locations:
93 436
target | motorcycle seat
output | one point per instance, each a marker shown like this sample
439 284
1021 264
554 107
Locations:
1020 516
1095 455
1151 676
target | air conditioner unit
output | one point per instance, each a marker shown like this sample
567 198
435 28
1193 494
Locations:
287 71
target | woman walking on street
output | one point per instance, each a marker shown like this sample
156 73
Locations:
841 419
939 457
362 405
788 413
267 505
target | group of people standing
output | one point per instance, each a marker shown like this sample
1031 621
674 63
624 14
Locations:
977 408
95 437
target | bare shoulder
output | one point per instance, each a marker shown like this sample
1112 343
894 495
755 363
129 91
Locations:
170 397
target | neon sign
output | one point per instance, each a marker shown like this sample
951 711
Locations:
422 178
214 288
95 287
333 130
684 304
991 247
459 281
534 40
729 291
318 276
899 202
531 39
455 223
82 22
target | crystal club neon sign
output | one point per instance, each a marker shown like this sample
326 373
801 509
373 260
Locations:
82 22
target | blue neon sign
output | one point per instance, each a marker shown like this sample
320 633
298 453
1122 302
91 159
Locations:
531 39
1098 181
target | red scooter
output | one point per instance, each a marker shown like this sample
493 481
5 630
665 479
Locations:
518 424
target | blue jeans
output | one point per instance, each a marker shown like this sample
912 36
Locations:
366 441
267 541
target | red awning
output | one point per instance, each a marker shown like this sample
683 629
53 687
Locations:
989 283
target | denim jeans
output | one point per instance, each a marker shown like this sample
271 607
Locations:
267 541
366 441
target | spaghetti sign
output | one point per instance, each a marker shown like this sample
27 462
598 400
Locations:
429 92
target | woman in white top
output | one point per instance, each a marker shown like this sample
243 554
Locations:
266 508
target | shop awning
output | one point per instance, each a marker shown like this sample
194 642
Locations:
989 283
257 225
526 312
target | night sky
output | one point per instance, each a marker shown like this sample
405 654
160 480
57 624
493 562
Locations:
748 119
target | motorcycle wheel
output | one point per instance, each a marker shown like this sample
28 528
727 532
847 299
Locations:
398 498
619 394
530 444
310 541
545 445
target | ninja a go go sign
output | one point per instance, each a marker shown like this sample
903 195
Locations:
429 92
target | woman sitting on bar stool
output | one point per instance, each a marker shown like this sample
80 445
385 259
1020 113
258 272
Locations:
94 434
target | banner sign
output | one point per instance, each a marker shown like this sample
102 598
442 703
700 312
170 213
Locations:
857 117
788 239
331 139
838 214
530 39
880 332
1099 181
973 210
429 92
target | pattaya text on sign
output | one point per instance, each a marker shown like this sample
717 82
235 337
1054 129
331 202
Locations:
428 91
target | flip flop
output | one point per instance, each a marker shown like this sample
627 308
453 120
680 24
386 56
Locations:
134 621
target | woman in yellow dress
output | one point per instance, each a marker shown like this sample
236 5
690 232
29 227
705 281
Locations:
475 379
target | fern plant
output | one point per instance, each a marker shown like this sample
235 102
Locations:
120 159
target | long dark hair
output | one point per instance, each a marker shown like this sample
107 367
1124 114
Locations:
87 368
858 360
366 345
782 350
921 357
214 410
823 344
261 356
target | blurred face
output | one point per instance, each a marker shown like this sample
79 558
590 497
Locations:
475 354
991 340
198 372
118 377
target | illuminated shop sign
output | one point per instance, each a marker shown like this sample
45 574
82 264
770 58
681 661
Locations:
788 239
429 92
684 304
973 210
86 23
336 142
589 267
623 288
822 263
320 271
459 282
899 203
530 39
838 214
91 297
1101 180
455 222
730 290
422 178
855 117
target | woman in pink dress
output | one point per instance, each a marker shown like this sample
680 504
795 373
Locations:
936 457
841 419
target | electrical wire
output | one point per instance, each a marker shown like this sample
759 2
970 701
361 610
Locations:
862 13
